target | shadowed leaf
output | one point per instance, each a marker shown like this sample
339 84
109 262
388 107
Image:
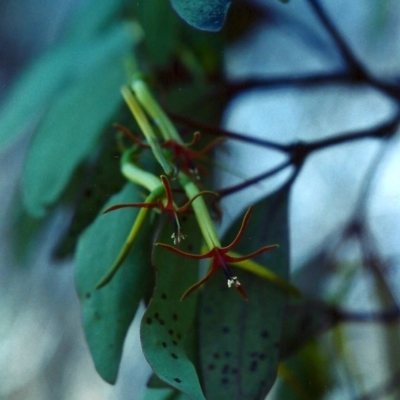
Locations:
167 326
107 313
37 86
240 341
72 124
102 180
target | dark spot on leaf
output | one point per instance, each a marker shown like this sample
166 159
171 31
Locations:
164 296
253 354
175 317
253 366
148 321
227 354
265 334
156 315
216 356
263 382
164 344
177 380
88 295
211 367
161 322
174 342
261 356
171 331
225 369
184 218
225 381
208 310
179 336
88 192
190 247
225 329
234 371
97 315
173 355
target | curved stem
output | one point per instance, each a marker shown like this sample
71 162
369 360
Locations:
147 100
147 130
201 212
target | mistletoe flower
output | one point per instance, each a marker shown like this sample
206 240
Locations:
165 206
221 259
153 201
180 151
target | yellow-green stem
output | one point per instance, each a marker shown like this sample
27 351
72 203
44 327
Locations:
157 193
201 212
138 175
149 103
147 130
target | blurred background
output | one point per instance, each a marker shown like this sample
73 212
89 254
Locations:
43 354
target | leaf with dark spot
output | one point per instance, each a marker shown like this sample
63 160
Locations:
107 313
165 346
254 326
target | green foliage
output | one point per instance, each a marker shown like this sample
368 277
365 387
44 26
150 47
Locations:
239 340
82 49
73 122
208 15
167 328
101 180
212 345
108 313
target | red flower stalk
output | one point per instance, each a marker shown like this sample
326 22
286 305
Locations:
221 258
180 152
168 207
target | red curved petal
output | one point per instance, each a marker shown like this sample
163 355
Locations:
131 205
184 254
198 284
241 231
231 259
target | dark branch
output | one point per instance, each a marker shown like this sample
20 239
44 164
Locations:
384 130
356 68
232 88
213 130
236 188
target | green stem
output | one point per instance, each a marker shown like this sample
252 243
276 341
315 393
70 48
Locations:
201 212
147 130
149 103
136 174
157 193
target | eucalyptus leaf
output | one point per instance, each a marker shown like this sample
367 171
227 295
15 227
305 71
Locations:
102 180
167 330
207 15
72 124
41 82
239 340
93 17
107 313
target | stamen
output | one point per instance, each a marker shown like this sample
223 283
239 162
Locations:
233 281
177 236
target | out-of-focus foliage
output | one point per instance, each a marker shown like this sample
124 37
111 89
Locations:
212 345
